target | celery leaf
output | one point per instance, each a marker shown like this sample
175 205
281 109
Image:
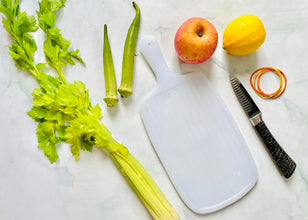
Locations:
25 23
47 140
56 47
75 149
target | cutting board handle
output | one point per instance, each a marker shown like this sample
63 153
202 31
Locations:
152 53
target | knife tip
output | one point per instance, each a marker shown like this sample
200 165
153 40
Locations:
231 74
232 77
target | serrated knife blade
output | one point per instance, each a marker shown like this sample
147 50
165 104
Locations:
283 161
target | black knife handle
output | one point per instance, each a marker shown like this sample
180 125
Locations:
283 161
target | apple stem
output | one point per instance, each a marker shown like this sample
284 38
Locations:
200 31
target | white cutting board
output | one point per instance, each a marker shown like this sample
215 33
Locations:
195 137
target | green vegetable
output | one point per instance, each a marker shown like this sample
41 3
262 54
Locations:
125 88
56 47
110 81
65 114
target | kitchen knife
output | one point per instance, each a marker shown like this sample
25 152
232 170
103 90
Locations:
283 161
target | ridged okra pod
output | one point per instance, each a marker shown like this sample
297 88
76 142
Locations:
110 81
125 88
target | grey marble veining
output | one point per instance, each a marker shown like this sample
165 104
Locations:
92 187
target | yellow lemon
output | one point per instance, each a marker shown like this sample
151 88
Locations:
244 35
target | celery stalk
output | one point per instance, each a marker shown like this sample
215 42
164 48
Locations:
147 190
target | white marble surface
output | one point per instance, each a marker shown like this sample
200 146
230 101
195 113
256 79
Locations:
93 188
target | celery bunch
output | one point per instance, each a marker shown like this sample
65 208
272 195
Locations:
63 111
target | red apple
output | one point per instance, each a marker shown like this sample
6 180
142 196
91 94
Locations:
196 40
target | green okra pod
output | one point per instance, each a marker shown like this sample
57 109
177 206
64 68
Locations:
125 88
110 81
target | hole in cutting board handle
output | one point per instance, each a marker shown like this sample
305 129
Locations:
152 53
